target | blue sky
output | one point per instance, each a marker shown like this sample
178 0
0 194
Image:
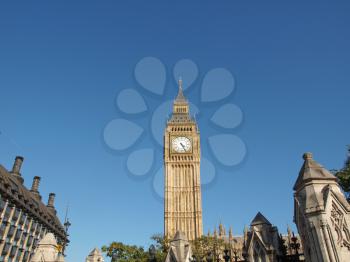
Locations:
63 63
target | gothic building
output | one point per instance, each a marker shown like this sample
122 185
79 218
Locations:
182 196
322 217
260 242
24 218
321 214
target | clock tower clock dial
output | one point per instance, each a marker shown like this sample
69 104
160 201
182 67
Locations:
182 187
181 144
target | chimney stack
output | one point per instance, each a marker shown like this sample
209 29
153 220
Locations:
51 202
35 186
17 168
17 165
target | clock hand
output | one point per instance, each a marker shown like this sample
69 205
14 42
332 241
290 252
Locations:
183 146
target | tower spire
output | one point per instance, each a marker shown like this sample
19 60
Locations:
180 96
221 230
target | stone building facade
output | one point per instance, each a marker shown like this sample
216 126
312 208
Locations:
24 218
322 217
260 242
321 214
182 196
47 250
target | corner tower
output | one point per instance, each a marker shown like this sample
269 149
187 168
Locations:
182 196
321 213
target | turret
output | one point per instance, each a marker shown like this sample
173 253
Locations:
95 256
245 234
221 230
47 250
215 233
311 180
321 213
209 234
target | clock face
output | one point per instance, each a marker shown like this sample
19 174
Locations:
181 144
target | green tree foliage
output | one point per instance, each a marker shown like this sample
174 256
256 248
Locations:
130 253
344 176
161 245
201 248
123 253
207 246
161 242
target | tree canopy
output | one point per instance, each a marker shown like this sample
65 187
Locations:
207 246
202 247
121 252
344 176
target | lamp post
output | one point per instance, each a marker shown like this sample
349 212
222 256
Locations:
66 225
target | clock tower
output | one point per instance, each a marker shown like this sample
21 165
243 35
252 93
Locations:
182 196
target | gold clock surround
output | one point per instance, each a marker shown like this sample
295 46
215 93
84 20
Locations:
174 151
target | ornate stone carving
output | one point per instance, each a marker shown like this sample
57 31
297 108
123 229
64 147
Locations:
336 215
340 226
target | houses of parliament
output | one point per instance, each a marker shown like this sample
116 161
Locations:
30 230
321 211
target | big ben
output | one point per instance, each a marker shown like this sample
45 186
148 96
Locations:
182 196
